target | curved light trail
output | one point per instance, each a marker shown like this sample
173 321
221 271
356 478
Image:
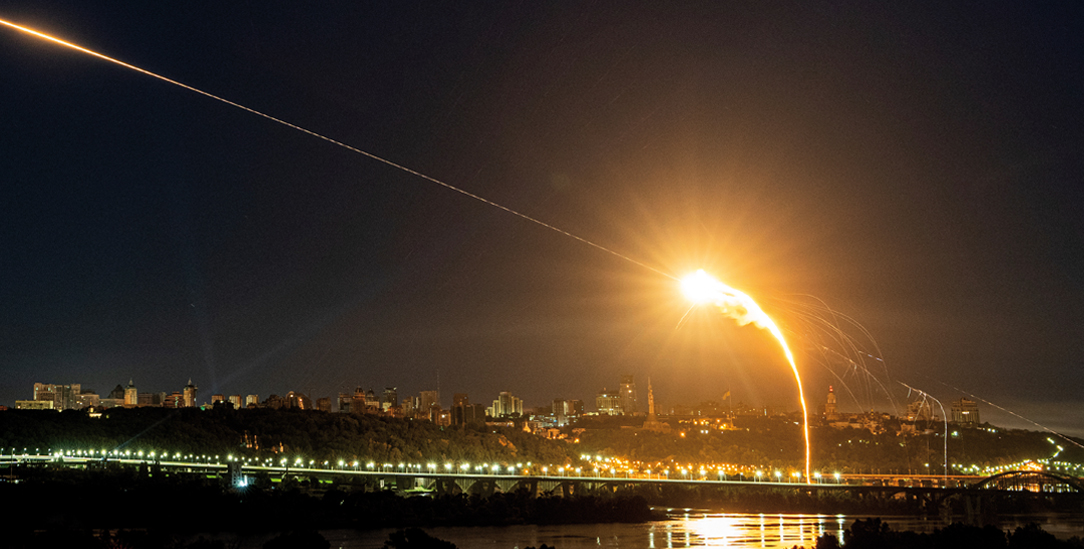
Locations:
702 288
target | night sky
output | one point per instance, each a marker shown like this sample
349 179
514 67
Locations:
918 169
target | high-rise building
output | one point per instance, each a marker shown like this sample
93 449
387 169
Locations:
560 411
346 401
427 400
460 399
830 411
390 398
965 412
608 402
252 401
63 397
131 395
189 392
506 405
215 399
235 400
323 404
628 395
463 414
410 406
575 407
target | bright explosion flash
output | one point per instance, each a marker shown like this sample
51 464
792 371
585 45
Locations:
702 289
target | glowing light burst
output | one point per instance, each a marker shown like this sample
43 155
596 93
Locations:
704 289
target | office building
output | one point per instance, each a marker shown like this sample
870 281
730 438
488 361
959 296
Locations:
390 398
63 397
628 395
965 412
608 402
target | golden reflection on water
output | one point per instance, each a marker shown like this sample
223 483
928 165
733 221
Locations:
743 530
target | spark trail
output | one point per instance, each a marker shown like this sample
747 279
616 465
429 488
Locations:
944 419
701 288
382 160
1007 411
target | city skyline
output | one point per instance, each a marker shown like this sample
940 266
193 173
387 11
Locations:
916 168
962 411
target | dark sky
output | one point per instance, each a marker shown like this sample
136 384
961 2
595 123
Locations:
917 169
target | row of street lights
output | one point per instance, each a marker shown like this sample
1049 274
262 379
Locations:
461 468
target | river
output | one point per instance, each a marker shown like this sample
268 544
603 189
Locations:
685 528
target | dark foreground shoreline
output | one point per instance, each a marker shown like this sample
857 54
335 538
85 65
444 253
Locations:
125 507
80 509
875 534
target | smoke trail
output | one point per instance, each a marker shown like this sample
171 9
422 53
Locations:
700 287
369 155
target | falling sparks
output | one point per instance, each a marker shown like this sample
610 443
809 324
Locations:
703 289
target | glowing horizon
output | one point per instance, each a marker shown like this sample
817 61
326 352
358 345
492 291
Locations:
702 288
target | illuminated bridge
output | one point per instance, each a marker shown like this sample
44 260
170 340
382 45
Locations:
437 480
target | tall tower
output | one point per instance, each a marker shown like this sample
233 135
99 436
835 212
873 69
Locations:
131 395
190 394
830 411
650 402
652 423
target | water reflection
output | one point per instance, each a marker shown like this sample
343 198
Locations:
685 528
739 530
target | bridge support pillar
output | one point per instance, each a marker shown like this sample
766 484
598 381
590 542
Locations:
447 486
568 489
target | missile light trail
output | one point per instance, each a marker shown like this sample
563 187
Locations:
382 160
702 288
